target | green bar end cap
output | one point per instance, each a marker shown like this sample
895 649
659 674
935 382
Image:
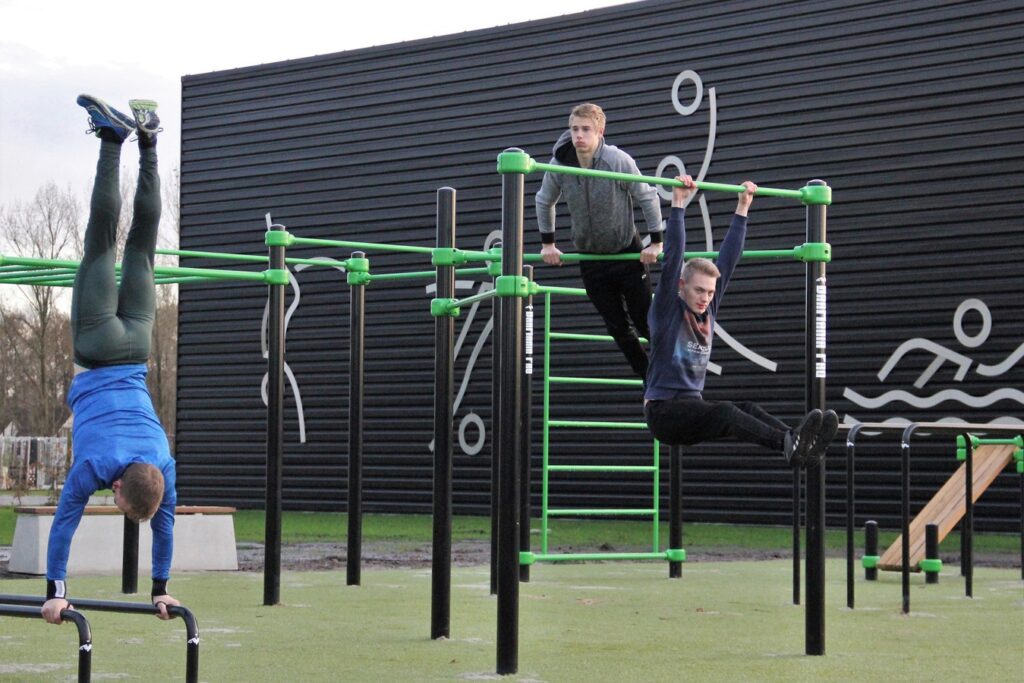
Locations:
512 285
515 161
276 276
870 561
816 195
279 238
961 454
442 307
931 566
675 555
526 558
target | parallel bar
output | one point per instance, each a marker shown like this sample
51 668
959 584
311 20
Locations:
77 618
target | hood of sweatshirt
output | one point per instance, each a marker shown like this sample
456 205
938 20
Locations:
565 152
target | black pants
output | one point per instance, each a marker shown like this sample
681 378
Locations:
113 325
686 421
621 293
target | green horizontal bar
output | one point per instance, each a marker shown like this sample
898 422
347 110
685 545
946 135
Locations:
597 425
595 380
209 273
591 512
602 468
667 182
425 274
586 557
568 291
586 337
366 246
248 258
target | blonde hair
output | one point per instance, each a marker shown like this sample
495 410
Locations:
588 110
699 265
142 489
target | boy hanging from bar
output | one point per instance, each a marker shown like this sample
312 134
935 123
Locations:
682 322
117 439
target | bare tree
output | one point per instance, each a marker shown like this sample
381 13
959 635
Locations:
45 228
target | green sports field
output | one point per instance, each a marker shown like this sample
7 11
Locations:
723 621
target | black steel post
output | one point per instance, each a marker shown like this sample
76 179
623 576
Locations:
511 341
357 327
496 334
871 548
1021 478
905 516
931 551
525 429
275 435
851 437
130 557
797 520
968 560
444 418
816 307
675 503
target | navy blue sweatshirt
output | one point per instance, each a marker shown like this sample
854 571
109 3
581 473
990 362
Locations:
681 339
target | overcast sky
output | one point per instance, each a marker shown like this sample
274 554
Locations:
52 50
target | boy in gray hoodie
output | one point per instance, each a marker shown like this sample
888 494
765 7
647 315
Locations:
601 213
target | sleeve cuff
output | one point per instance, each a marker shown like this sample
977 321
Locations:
547 238
56 588
159 587
656 237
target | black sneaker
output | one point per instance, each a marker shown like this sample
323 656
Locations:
820 444
798 441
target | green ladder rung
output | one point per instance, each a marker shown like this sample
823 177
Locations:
596 380
585 337
597 425
589 512
583 557
602 468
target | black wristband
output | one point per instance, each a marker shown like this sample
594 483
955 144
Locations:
547 238
656 237
56 588
159 587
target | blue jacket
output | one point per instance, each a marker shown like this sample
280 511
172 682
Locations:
115 426
680 339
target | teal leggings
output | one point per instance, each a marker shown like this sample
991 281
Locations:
112 325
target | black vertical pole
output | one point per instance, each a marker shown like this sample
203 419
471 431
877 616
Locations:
496 334
905 516
675 502
797 504
357 327
871 549
850 521
444 418
968 561
816 299
130 557
1021 478
275 435
525 429
931 551
510 343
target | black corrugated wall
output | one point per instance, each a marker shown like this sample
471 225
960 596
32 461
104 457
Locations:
912 111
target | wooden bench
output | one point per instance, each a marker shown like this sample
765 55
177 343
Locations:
204 538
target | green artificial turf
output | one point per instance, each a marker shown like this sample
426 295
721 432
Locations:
731 621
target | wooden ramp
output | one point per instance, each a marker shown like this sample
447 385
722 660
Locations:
948 506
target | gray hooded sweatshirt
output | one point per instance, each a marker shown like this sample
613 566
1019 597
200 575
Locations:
601 210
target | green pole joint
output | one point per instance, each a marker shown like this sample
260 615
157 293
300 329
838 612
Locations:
276 276
448 256
494 265
534 288
356 278
279 238
512 285
526 558
442 307
820 252
515 162
1018 455
675 555
931 566
357 269
816 195
870 561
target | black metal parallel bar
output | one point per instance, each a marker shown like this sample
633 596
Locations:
275 434
497 333
130 557
815 326
510 343
444 417
75 617
357 333
525 429
968 526
675 502
185 614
